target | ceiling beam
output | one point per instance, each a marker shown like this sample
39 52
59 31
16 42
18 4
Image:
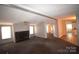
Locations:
27 10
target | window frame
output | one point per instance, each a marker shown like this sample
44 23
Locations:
1 31
33 29
68 29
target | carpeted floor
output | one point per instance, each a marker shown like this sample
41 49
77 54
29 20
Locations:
37 45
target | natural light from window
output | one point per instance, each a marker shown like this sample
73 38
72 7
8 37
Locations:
6 32
31 30
69 27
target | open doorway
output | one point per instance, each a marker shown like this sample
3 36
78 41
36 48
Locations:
50 31
71 32
67 29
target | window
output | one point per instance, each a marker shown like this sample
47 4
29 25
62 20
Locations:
6 32
31 30
69 27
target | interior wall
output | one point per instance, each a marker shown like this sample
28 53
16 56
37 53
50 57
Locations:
64 27
55 29
77 17
75 28
41 30
21 27
61 27
55 23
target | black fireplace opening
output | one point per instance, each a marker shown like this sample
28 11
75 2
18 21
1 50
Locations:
21 36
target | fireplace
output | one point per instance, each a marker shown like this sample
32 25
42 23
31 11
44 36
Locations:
21 36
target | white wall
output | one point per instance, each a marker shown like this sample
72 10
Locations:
56 28
21 27
41 30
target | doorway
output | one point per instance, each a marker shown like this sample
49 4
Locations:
71 32
50 31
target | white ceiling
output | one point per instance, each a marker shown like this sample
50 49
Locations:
53 9
14 15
